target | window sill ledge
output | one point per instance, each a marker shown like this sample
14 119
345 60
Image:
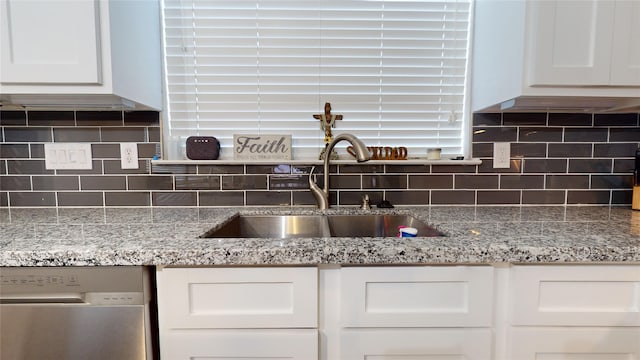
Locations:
319 162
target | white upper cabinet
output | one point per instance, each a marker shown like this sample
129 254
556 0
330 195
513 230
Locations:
586 43
556 53
571 42
81 52
625 59
39 48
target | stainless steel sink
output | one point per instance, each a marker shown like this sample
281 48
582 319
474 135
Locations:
376 225
267 226
295 226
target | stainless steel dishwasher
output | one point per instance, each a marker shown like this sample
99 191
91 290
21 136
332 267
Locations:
69 313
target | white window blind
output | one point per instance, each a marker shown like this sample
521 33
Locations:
394 69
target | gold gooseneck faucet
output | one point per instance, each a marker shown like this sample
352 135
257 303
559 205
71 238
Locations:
362 155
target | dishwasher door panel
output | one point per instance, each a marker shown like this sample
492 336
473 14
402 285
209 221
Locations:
72 332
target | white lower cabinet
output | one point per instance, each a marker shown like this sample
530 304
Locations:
574 312
501 312
425 343
245 344
575 343
238 313
413 312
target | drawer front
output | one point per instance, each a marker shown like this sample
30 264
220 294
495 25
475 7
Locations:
209 298
575 344
417 296
394 344
297 344
598 295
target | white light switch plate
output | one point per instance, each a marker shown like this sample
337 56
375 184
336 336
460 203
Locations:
501 155
67 156
128 155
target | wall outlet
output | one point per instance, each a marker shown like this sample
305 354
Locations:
501 155
67 156
128 155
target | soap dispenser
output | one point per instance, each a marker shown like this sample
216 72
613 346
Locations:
635 201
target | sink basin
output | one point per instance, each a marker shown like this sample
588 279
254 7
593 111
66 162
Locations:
296 226
376 225
267 226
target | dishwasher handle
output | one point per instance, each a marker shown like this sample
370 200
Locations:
51 298
88 298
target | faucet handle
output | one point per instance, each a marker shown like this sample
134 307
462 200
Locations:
365 202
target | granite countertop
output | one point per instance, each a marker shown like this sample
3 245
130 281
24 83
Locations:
169 236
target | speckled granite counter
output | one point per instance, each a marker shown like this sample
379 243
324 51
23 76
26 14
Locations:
169 236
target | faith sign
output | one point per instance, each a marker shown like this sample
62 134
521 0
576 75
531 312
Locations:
261 147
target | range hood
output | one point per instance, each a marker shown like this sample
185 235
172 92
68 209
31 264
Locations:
59 101
571 104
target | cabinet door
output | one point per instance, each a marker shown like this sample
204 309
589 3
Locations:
210 298
299 344
49 41
405 344
576 295
625 59
571 42
417 296
575 344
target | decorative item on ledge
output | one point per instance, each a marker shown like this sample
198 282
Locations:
202 148
383 152
327 121
261 147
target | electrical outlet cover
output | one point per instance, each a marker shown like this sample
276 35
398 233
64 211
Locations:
128 155
501 155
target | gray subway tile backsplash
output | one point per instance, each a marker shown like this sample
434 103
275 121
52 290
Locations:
624 134
13 118
431 181
626 120
38 199
55 183
12 182
268 198
84 198
580 119
545 166
589 197
174 198
543 197
104 182
11 151
197 182
498 197
76 134
28 134
539 134
563 150
222 199
588 135
521 119
26 166
99 118
51 118
590 165
556 159
123 134
128 198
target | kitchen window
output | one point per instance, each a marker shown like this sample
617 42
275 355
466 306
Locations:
395 70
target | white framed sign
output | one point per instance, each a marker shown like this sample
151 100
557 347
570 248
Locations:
261 147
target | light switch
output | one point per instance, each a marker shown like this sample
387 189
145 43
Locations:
67 156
